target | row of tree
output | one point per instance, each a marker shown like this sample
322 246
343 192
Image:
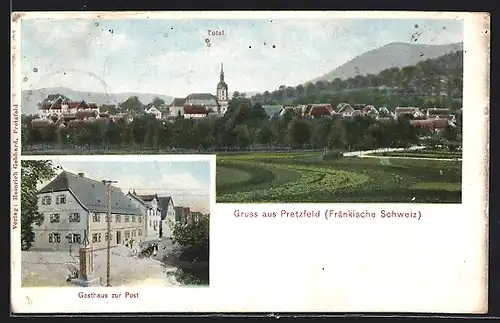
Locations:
244 125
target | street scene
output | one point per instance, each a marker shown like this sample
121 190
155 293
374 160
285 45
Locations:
115 223
367 111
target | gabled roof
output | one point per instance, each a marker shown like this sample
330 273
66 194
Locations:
201 96
342 107
91 193
272 110
148 197
164 201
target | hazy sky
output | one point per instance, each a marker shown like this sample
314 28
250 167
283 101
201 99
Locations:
187 182
170 57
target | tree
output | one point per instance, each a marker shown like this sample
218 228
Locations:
158 102
243 136
298 133
132 104
337 137
33 173
319 137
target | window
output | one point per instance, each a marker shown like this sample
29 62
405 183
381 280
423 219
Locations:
127 218
94 237
46 200
139 232
140 218
55 218
99 236
118 219
61 199
54 238
133 218
77 238
127 234
150 223
74 217
106 236
133 233
96 217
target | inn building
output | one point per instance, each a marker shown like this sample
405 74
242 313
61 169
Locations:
73 205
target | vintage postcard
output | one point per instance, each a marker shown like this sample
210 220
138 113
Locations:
347 153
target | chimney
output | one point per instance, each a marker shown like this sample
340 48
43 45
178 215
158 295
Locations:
133 192
81 175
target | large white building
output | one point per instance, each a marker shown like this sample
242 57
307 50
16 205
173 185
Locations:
149 206
75 208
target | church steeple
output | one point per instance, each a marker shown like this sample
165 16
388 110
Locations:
222 72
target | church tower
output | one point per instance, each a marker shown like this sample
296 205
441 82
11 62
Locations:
222 93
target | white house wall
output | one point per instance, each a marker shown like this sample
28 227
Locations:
53 235
63 227
169 221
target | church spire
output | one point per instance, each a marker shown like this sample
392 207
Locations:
222 72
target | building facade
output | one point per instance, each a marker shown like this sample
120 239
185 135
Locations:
74 206
149 206
167 216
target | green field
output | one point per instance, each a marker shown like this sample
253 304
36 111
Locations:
307 178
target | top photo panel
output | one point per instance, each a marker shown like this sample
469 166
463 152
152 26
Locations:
277 100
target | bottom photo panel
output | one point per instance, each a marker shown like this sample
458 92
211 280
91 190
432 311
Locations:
113 222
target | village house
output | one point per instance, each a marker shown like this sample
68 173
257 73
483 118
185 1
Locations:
345 109
195 112
153 111
412 112
74 205
272 110
440 113
318 110
182 214
148 204
166 204
433 124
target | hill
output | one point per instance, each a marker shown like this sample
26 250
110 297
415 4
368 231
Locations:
437 81
388 56
30 98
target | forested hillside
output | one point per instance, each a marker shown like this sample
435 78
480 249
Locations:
428 83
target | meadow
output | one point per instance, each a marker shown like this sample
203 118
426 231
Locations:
309 178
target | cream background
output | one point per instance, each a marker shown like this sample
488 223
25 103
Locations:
437 264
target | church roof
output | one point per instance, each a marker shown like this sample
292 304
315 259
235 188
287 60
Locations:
222 85
201 96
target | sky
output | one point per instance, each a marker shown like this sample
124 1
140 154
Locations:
188 182
170 57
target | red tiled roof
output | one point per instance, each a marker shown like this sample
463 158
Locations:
193 109
321 110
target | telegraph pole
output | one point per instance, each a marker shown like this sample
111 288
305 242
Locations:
108 250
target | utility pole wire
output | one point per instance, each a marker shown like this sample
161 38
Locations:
108 220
